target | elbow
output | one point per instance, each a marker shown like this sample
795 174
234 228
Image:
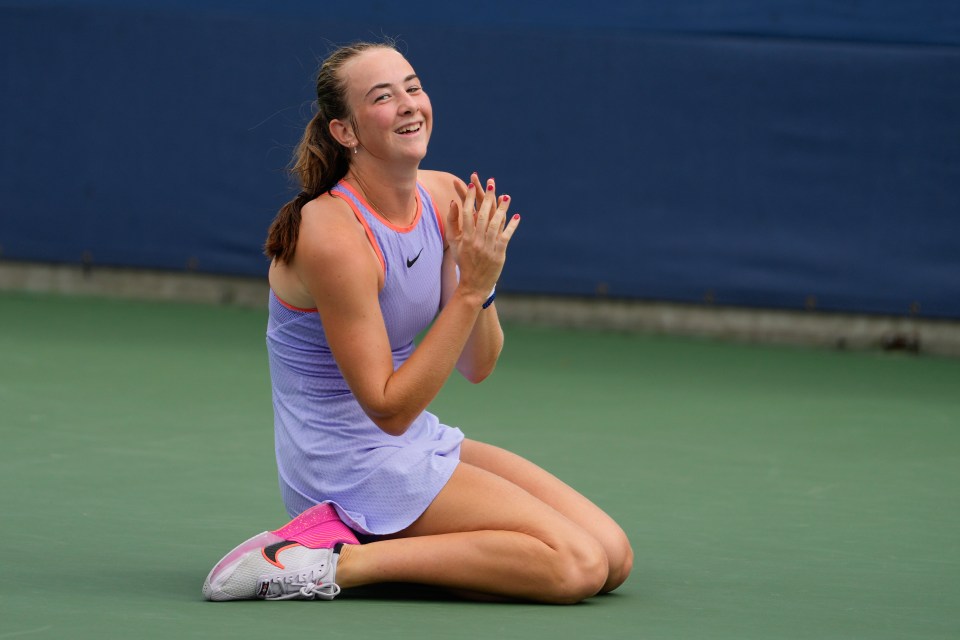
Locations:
476 375
393 418
392 414
476 370
392 424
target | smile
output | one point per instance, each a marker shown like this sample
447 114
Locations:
409 129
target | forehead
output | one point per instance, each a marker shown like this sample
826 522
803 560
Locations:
375 66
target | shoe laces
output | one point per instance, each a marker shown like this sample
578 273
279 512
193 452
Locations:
304 586
324 591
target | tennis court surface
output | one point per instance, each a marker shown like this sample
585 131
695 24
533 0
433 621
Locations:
768 492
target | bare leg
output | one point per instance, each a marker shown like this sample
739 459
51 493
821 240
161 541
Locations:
554 492
485 534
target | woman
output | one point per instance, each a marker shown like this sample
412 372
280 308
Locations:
362 262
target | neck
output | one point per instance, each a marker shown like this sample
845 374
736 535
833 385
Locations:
390 191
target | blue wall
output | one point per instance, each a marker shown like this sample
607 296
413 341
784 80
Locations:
750 153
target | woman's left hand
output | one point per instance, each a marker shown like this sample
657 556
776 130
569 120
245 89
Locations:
454 231
478 236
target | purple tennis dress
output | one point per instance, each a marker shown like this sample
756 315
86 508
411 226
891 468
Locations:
328 450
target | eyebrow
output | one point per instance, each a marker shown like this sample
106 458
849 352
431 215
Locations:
384 85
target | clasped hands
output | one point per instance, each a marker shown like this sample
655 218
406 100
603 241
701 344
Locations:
477 234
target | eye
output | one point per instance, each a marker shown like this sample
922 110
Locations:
414 89
381 97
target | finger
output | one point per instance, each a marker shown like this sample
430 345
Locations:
476 182
461 187
480 187
467 222
511 227
454 224
486 208
496 220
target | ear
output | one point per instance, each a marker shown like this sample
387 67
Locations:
343 133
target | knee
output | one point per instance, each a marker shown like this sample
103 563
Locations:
620 555
582 572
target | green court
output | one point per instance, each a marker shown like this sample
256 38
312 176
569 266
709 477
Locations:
768 492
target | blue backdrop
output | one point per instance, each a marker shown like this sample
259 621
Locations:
773 154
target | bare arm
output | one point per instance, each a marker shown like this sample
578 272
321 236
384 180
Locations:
482 350
335 263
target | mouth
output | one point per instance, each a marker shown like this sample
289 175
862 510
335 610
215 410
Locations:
409 129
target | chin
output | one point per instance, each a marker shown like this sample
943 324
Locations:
417 154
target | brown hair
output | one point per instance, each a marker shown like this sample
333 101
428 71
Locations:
319 162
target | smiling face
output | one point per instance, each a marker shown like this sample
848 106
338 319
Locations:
391 114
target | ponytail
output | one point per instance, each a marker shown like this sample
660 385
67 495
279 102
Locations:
319 162
285 229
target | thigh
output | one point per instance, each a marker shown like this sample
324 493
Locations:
553 492
483 532
475 499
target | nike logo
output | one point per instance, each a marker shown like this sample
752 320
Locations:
411 261
270 553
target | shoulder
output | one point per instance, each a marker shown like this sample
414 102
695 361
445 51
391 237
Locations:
441 186
324 218
329 234
329 239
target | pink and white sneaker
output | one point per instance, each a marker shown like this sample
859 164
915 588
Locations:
297 561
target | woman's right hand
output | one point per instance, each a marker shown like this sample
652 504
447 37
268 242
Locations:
478 236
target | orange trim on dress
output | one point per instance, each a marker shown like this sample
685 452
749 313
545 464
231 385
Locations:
379 217
366 227
291 307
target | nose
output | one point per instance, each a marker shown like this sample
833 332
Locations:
408 104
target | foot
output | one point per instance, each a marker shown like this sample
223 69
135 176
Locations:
284 570
249 571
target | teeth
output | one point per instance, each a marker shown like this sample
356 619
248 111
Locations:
410 129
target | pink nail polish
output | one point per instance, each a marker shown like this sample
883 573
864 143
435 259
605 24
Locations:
470 186
489 187
516 216
506 198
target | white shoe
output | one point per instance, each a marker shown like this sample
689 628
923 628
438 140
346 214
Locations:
267 567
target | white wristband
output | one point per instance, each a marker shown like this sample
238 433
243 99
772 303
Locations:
493 292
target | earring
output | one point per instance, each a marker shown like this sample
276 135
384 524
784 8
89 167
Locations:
355 150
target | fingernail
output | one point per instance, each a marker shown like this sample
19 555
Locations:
489 187
506 198
516 216
470 186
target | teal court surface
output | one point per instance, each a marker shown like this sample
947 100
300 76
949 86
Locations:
768 492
